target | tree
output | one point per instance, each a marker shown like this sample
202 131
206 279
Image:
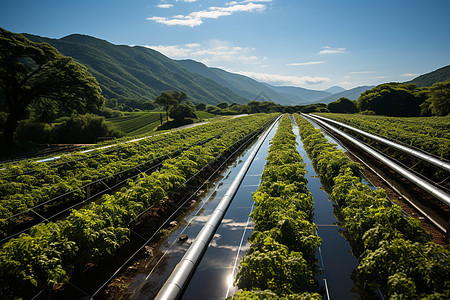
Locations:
181 111
168 100
439 101
342 105
392 99
200 106
32 73
222 105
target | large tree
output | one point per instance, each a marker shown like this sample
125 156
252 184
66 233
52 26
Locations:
170 99
342 105
439 101
392 99
33 73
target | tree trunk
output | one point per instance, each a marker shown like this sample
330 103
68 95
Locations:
10 126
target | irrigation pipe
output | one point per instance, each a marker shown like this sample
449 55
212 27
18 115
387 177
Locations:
436 192
180 276
425 157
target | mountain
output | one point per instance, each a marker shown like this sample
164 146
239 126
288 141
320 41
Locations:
352 94
429 79
125 72
239 84
334 89
307 95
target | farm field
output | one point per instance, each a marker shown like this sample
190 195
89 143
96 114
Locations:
137 123
100 229
389 246
284 237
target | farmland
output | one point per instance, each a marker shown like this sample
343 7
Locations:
153 168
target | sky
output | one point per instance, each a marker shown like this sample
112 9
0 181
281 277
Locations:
313 44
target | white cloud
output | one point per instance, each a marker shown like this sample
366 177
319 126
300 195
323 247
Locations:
285 79
346 83
186 0
329 50
214 52
307 63
164 5
347 76
410 75
193 45
196 18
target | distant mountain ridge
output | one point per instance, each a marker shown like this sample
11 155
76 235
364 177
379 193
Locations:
335 89
306 94
252 89
429 79
352 94
125 72
239 84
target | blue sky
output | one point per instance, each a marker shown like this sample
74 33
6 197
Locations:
308 43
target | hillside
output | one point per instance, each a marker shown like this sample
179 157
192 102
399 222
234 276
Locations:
335 89
352 94
125 72
429 79
306 94
239 84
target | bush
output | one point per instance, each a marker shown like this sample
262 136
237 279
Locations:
109 113
33 131
84 129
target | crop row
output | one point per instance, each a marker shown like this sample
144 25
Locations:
133 122
280 262
431 134
49 254
47 183
394 253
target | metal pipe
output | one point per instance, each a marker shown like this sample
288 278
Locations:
425 157
180 276
436 192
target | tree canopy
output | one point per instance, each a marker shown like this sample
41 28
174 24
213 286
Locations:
393 99
439 101
343 105
36 73
170 99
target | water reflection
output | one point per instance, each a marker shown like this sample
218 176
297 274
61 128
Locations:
335 259
215 275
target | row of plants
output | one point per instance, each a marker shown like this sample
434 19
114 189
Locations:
431 134
133 122
49 182
51 252
280 263
394 253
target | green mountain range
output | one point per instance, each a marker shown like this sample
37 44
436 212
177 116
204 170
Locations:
239 84
140 73
308 96
352 94
429 79
125 72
